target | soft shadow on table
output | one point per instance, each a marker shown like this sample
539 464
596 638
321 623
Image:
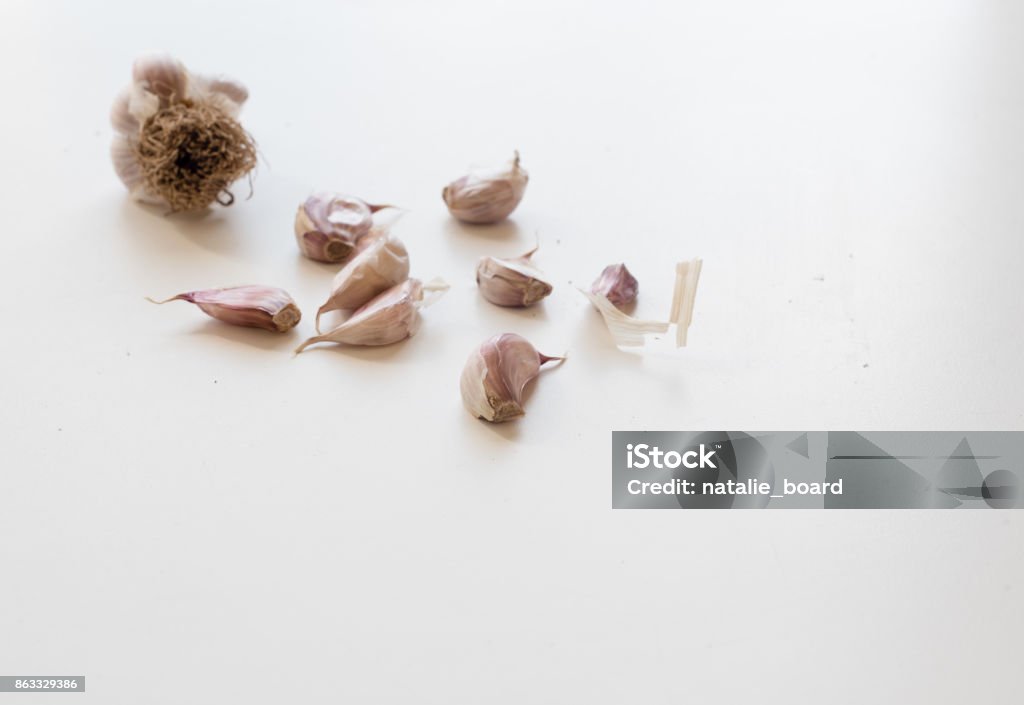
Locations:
209 229
254 337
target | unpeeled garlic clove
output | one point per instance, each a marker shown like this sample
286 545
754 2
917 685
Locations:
329 225
388 318
617 285
496 374
255 306
511 282
487 195
382 265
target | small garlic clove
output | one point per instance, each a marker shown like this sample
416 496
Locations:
121 118
487 195
388 318
632 332
496 374
126 166
227 93
511 282
329 225
617 285
376 269
255 306
163 76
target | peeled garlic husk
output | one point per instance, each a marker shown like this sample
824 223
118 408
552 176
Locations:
161 83
617 285
496 374
329 225
255 306
382 265
487 195
388 318
511 282
631 332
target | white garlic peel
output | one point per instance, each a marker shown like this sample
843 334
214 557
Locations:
511 282
683 297
496 374
158 81
487 195
628 331
382 265
388 318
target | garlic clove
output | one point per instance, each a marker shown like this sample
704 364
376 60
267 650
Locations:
376 269
487 195
388 318
496 374
328 226
617 285
121 118
511 282
163 76
631 332
255 306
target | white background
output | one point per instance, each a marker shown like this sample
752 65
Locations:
188 514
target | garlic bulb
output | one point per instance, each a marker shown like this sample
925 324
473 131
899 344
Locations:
388 318
328 225
379 267
178 141
617 285
254 306
496 374
511 282
487 195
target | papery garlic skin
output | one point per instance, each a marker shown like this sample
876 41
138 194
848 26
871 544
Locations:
254 306
382 265
159 82
388 318
511 282
617 285
496 374
487 195
328 225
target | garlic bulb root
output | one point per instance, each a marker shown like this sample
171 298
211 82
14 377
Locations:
178 140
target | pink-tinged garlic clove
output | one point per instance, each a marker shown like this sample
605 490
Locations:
373 271
388 318
617 285
511 282
328 226
487 195
163 76
254 306
496 374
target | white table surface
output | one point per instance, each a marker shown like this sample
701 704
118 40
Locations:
190 514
